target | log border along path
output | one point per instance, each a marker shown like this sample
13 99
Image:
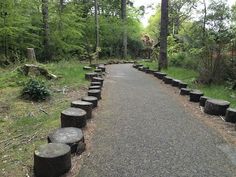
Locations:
144 132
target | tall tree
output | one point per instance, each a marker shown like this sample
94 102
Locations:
163 61
46 38
97 28
124 20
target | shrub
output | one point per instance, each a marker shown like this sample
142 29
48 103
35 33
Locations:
35 90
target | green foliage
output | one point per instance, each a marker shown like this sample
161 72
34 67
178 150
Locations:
35 90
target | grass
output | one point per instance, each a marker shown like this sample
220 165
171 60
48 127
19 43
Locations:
23 123
189 76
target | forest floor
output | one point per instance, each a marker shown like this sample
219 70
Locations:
189 76
25 124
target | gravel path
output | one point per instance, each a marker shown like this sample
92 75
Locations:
143 132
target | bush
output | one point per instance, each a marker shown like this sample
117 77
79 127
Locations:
35 90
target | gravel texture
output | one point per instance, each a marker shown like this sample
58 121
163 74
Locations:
144 132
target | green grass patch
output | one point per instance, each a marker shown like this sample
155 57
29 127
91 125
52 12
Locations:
26 124
190 76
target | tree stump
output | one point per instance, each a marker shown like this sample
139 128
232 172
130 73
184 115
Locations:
87 68
52 160
95 87
71 136
195 96
185 91
98 79
97 70
152 71
96 93
96 84
160 75
31 55
216 107
175 83
203 100
73 117
102 67
134 66
87 106
89 76
182 85
156 74
140 68
167 80
145 68
230 115
139 65
92 100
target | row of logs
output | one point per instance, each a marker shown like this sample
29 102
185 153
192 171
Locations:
54 159
211 106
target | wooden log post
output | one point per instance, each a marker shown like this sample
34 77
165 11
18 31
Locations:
98 71
102 67
89 76
96 84
98 79
216 107
230 115
87 106
73 117
71 136
194 96
52 160
96 93
87 68
175 83
203 100
167 80
91 99
182 85
95 87
185 91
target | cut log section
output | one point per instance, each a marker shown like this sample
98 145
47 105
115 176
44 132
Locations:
160 75
140 68
87 106
89 76
145 68
52 160
97 70
92 100
185 91
194 96
216 107
183 85
175 83
95 87
203 100
71 136
102 67
96 84
98 79
96 93
230 115
87 68
167 80
73 117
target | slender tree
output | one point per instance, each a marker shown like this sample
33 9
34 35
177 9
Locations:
124 18
97 29
163 61
46 39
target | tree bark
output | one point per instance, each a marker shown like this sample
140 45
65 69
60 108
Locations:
97 29
124 17
163 61
46 40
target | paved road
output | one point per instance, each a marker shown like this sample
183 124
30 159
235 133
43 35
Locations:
143 132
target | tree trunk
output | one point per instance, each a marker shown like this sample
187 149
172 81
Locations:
123 17
97 29
46 50
163 62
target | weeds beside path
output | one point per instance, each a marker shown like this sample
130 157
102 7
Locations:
24 124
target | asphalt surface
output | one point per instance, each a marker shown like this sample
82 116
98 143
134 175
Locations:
144 132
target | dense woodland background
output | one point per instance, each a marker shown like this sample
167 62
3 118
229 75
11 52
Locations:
201 34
